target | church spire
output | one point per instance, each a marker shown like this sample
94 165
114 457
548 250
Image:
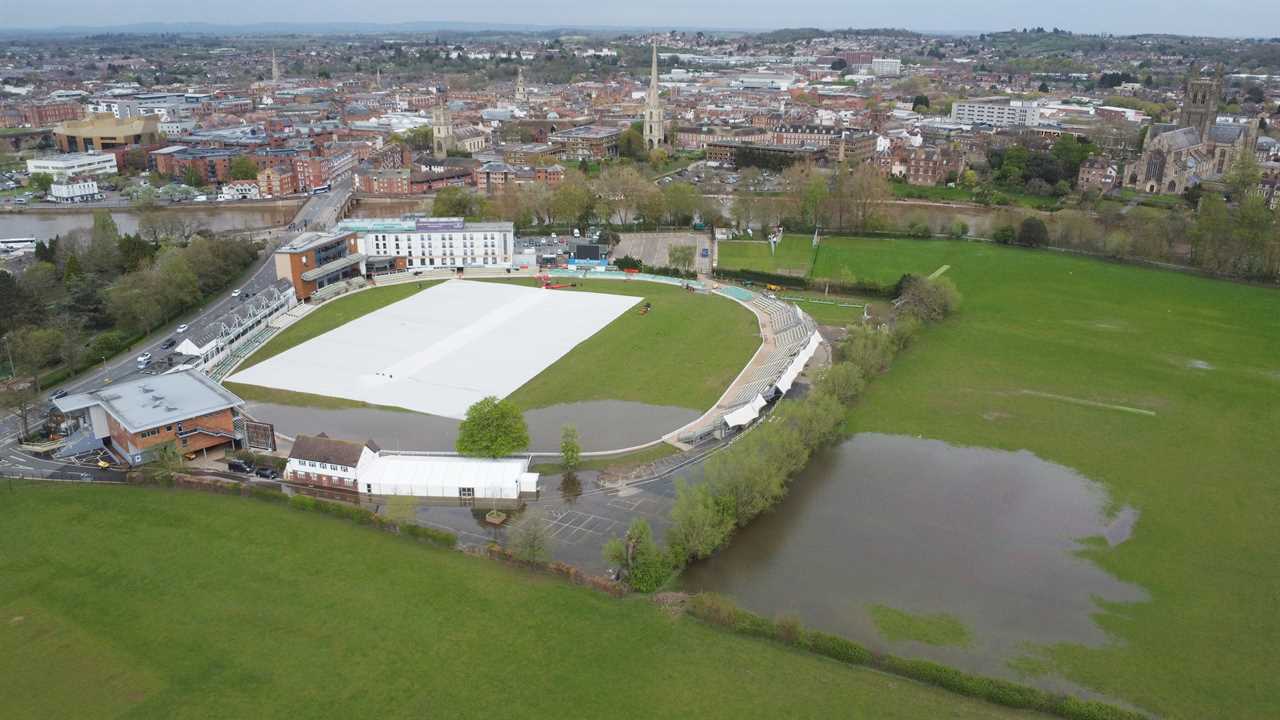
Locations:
654 122
653 77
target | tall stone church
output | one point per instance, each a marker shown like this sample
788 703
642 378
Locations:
1197 148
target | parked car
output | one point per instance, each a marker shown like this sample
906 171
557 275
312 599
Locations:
58 394
268 473
182 328
239 466
144 358
168 344
235 293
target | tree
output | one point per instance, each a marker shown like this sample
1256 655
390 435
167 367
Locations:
103 254
43 283
454 202
531 539
631 145
697 527
166 462
843 381
20 398
1044 87
1070 153
570 448
868 192
419 138
681 257
681 200
1243 177
191 176
929 300
493 428
1032 232
40 182
243 168
640 563
920 101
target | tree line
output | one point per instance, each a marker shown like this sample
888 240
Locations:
86 296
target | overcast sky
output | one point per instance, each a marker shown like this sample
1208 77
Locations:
1204 17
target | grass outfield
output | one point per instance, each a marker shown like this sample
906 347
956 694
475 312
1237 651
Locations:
793 257
685 352
146 603
335 313
1204 356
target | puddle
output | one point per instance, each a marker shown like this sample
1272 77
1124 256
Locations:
602 424
988 536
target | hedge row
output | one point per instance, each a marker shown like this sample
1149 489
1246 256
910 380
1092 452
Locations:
354 513
792 282
720 610
563 570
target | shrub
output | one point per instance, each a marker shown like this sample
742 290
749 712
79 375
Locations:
1033 232
302 502
929 300
959 229
750 623
714 608
432 535
268 494
918 230
1005 235
790 630
838 648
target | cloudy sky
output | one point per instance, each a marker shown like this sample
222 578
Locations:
1207 17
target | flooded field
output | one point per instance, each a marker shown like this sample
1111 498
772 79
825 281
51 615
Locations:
602 424
986 537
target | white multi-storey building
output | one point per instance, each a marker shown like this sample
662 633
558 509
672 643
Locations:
431 243
997 112
62 167
886 67
74 191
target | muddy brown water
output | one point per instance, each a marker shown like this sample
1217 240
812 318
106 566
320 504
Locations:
987 536
601 424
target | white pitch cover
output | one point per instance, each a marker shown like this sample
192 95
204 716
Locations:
442 349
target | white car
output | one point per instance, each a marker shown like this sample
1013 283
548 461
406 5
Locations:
236 293
144 358
182 328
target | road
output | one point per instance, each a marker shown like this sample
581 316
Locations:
319 213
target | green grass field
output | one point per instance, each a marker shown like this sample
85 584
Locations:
793 256
125 602
683 353
1204 356
334 313
937 629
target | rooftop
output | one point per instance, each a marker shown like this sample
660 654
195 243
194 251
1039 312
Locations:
308 240
154 401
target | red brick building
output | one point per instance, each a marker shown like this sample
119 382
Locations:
134 418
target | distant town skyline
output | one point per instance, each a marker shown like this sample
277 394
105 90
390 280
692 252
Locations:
1226 18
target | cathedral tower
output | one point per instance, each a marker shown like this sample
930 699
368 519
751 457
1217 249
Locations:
1200 107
